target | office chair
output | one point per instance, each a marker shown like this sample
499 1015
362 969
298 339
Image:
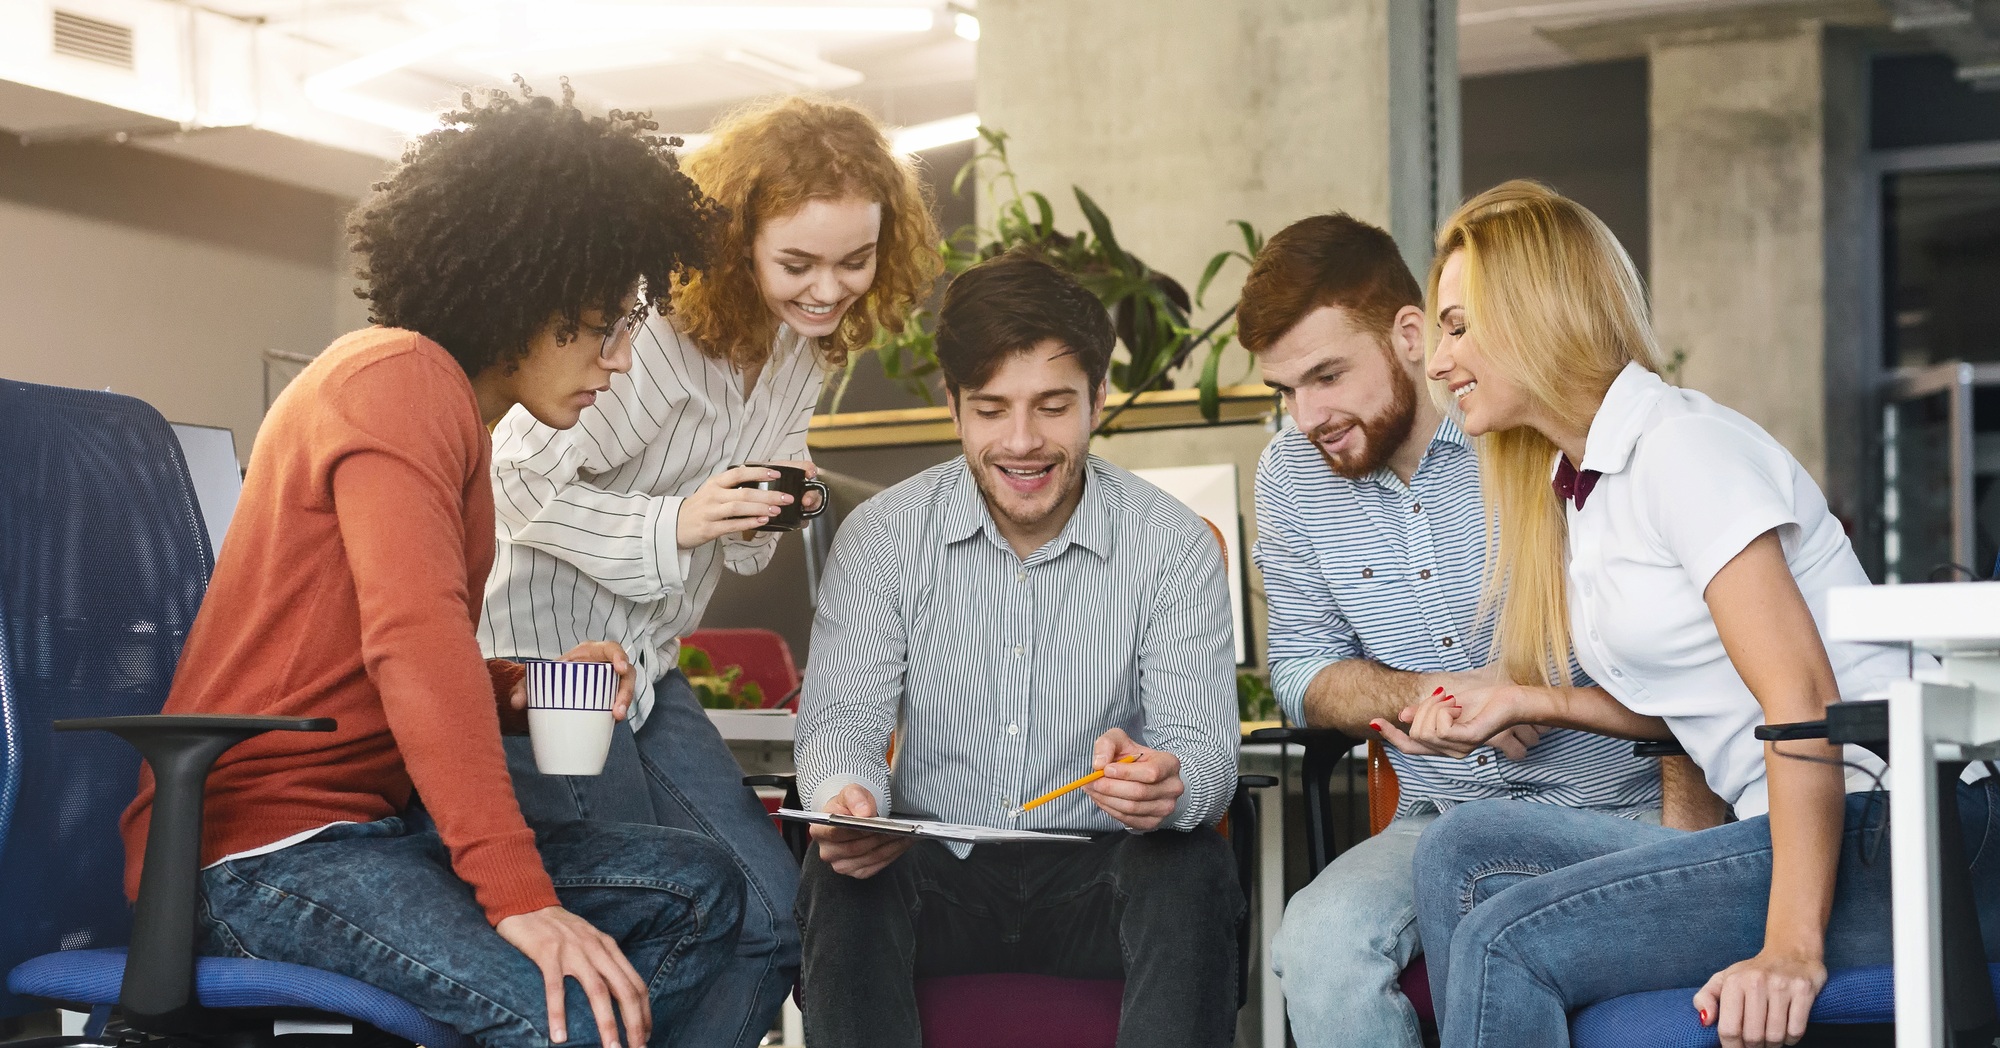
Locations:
1322 750
764 656
1002 1010
104 559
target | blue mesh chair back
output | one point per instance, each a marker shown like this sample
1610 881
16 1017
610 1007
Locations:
103 562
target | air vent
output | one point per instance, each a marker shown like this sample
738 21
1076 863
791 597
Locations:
92 39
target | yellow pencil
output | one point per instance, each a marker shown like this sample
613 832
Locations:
1085 781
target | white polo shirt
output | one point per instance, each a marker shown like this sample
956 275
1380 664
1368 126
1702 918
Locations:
1686 485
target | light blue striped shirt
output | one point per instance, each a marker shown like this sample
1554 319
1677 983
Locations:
997 673
1376 569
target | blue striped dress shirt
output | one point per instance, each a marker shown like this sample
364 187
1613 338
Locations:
1376 569
997 673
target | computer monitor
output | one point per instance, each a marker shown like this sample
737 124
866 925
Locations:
218 480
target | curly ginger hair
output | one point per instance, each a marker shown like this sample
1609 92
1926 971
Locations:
769 159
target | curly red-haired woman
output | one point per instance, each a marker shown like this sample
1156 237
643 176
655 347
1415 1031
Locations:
621 526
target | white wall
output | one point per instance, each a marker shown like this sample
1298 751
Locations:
162 278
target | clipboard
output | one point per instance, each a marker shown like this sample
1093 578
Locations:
942 831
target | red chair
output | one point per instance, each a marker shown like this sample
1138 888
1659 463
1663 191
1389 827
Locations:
764 656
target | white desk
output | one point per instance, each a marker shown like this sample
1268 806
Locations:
1954 715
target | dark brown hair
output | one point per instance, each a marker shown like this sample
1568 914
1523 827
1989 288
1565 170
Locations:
1325 260
1012 303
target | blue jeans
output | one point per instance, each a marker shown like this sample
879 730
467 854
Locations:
1548 910
378 902
1345 940
677 772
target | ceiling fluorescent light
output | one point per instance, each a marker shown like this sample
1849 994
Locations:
382 114
741 18
804 71
919 137
965 25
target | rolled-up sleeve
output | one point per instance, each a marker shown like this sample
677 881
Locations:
1307 630
1187 678
854 684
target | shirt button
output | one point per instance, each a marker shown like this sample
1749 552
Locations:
1367 573
1017 651
1446 642
1013 729
1424 574
1416 507
1617 672
1020 576
1483 760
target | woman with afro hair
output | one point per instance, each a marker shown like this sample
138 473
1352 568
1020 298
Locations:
507 263
621 526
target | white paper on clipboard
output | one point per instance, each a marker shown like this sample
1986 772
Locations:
943 831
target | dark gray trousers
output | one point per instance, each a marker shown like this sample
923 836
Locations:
1159 910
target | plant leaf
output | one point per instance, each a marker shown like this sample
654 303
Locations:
1210 384
1207 275
1047 224
1100 227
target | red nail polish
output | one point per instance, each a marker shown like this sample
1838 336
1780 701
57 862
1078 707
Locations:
1704 1016
1440 691
1375 725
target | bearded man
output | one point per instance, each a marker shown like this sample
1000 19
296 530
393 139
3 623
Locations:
1371 537
1017 617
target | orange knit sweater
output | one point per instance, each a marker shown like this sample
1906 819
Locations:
348 587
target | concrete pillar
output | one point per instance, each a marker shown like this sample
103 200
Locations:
1179 115
1757 270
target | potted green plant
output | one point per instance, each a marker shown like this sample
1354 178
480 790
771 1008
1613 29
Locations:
1149 309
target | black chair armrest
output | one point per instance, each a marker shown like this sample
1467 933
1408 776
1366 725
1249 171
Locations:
158 992
1312 738
1324 748
1663 748
797 835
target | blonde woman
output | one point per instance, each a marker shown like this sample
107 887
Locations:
1684 556
621 527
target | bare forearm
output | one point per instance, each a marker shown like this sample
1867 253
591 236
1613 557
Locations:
1807 815
1686 802
1346 695
1593 710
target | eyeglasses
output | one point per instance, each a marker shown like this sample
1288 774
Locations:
618 338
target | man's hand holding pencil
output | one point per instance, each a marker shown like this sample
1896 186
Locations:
1140 786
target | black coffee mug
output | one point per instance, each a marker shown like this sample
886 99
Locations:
792 481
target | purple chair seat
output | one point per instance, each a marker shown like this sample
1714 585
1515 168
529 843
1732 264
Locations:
1415 982
1004 1011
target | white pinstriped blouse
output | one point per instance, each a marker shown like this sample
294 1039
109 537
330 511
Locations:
999 673
587 516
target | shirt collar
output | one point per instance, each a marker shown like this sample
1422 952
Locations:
1621 419
1091 526
1448 436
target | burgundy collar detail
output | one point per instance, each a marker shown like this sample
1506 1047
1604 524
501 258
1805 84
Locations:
1572 485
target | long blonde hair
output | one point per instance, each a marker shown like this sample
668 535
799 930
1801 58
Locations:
767 160
1556 304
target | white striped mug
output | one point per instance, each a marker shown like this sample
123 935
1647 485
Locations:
569 715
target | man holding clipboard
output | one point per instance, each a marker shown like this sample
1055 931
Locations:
1018 617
